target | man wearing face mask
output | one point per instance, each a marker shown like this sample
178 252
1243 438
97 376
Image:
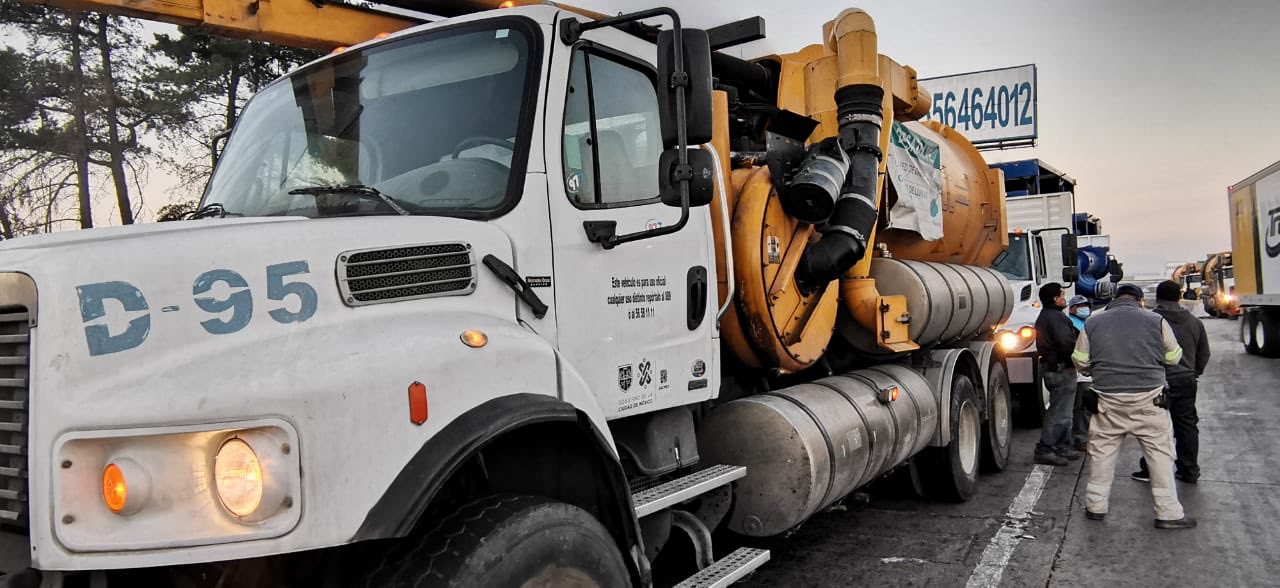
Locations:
1078 309
1182 382
1055 340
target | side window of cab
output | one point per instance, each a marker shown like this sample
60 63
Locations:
612 138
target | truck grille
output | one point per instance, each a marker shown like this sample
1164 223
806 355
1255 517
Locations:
371 276
15 348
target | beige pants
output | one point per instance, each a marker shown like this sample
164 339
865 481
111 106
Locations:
1132 414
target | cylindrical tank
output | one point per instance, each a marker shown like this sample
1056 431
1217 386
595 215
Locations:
973 221
948 302
810 445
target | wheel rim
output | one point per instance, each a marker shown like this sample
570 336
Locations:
556 577
1244 330
1000 416
1259 334
968 437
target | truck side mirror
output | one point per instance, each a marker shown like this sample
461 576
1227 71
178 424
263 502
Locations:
1115 270
696 79
1070 256
1070 274
701 185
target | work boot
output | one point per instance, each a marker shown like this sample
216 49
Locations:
1052 459
1141 476
1094 516
1070 454
1183 523
1187 478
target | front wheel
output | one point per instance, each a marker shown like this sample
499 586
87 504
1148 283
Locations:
997 435
951 472
507 540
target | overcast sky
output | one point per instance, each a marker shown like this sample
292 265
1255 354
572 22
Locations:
1154 107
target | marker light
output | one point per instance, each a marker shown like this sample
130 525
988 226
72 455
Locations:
238 475
1026 332
115 492
125 486
507 4
382 35
474 339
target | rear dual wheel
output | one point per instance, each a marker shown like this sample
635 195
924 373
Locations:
1260 330
997 435
951 472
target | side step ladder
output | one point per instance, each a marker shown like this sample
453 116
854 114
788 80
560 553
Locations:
649 499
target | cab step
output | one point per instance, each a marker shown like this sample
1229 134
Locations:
650 500
729 569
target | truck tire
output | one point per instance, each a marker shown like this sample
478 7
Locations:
1266 334
998 433
1248 324
506 540
951 472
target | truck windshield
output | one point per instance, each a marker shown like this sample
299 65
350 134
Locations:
437 122
1015 262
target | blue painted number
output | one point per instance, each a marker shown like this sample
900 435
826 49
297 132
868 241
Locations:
240 302
99 337
278 289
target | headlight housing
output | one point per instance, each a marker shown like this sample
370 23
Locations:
176 486
1013 340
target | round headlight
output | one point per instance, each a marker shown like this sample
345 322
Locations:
238 475
1008 340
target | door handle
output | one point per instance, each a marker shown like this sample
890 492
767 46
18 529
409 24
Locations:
697 300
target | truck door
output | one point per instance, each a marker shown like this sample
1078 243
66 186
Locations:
638 322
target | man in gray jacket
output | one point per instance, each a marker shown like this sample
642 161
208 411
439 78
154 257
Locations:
1182 382
1125 349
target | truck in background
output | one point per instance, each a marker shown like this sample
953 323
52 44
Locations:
1255 253
1218 289
1042 249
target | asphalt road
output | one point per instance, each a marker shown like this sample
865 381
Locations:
1009 536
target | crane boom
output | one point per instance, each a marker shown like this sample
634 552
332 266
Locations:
296 23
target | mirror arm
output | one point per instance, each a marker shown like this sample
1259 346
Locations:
604 232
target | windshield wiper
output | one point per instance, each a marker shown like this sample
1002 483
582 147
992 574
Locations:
212 209
358 189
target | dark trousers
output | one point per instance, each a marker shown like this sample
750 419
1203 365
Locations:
1186 430
1080 416
1055 431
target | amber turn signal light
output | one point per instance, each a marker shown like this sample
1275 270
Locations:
115 491
474 339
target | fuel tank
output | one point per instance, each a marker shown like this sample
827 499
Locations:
809 445
973 219
948 302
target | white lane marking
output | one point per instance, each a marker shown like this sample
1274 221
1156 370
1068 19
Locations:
996 556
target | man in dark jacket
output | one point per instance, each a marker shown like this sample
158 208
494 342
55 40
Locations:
1055 340
1182 382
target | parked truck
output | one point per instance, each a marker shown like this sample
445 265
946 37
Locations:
1218 292
532 296
1255 244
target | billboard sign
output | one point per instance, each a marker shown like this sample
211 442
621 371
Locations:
993 106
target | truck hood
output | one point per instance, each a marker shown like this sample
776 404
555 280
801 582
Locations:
103 234
149 290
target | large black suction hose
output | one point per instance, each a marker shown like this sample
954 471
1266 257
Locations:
845 238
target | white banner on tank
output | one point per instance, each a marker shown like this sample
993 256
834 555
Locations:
915 168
